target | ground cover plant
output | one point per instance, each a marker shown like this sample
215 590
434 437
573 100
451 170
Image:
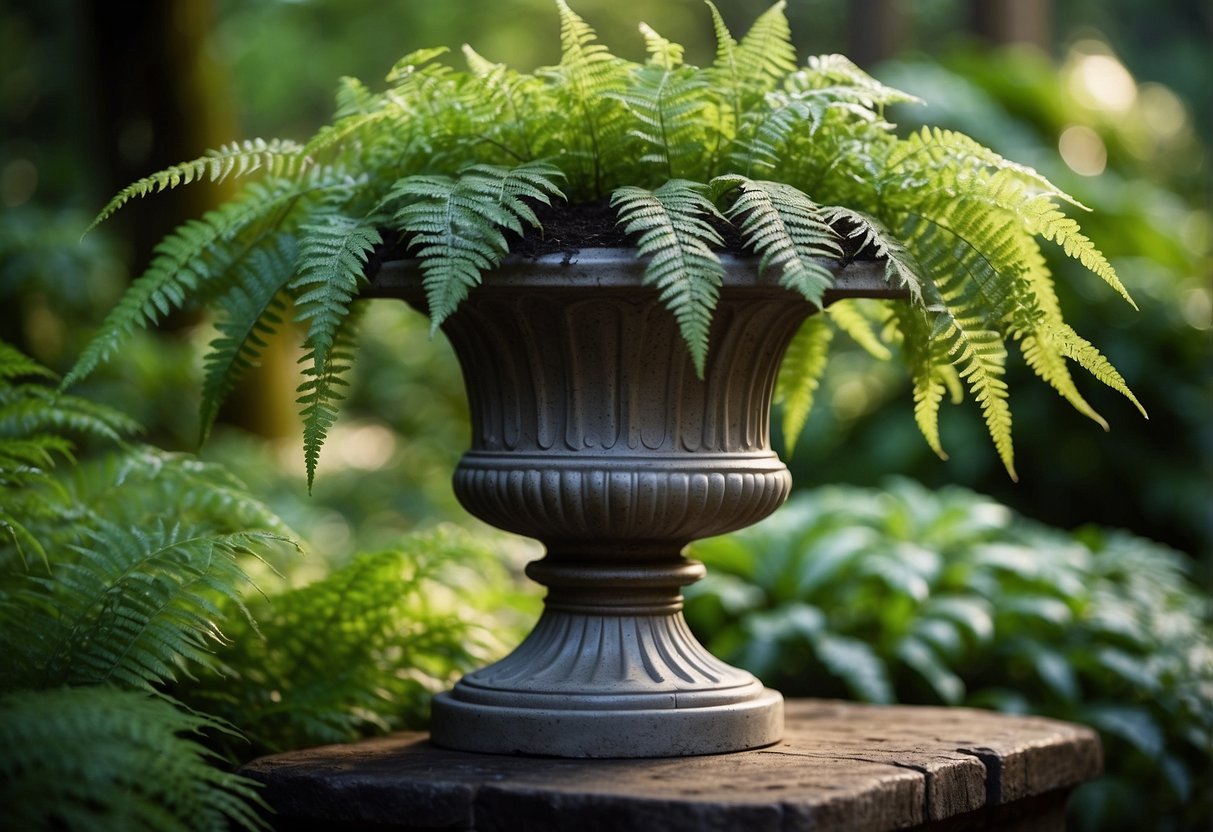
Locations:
902 594
797 163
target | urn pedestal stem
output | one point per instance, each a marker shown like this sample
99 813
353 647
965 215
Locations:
592 433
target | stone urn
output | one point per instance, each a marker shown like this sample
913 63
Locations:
592 433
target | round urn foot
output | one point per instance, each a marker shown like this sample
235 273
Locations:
589 685
566 732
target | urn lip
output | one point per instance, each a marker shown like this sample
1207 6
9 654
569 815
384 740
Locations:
620 268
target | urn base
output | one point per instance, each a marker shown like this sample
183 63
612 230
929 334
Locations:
570 732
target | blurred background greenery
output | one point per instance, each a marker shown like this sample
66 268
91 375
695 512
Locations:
1108 98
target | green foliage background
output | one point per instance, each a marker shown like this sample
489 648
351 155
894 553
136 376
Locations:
388 464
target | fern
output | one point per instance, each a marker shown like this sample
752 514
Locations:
188 264
673 230
36 425
252 310
900 267
589 77
360 650
665 100
456 225
321 390
113 760
800 375
784 227
277 157
855 318
134 608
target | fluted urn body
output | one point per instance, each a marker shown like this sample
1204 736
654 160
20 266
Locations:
592 432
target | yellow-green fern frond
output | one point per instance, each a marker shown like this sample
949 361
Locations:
277 157
837 77
323 386
852 317
1078 349
930 371
783 226
800 375
589 79
674 232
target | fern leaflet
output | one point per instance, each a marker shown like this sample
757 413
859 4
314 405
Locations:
456 225
782 225
320 392
800 375
901 268
673 228
848 316
277 157
195 255
252 310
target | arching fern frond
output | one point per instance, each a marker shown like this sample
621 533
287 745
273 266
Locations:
252 310
136 606
837 78
849 316
329 273
321 390
188 264
901 268
115 761
455 225
130 489
673 228
277 157
357 651
800 375
930 371
764 56
783 226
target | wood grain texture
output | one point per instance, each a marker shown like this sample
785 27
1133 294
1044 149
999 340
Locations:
840 767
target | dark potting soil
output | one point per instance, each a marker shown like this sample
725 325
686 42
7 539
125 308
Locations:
568 227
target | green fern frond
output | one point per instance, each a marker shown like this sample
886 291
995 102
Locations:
129 489
515 120
407 67
329 273
27 410
136 606
979 356
662 51
800 375
901 268
589 79
252 310
115 761
674 232
1044 219
849 316
360 650
16 364
665 101
277 157
783 226
455 225
765 55
935 149
930 371
837 77
187 265
321 390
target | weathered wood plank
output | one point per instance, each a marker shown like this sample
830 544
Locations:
840 767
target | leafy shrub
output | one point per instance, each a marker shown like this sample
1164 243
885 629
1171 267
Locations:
906 595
